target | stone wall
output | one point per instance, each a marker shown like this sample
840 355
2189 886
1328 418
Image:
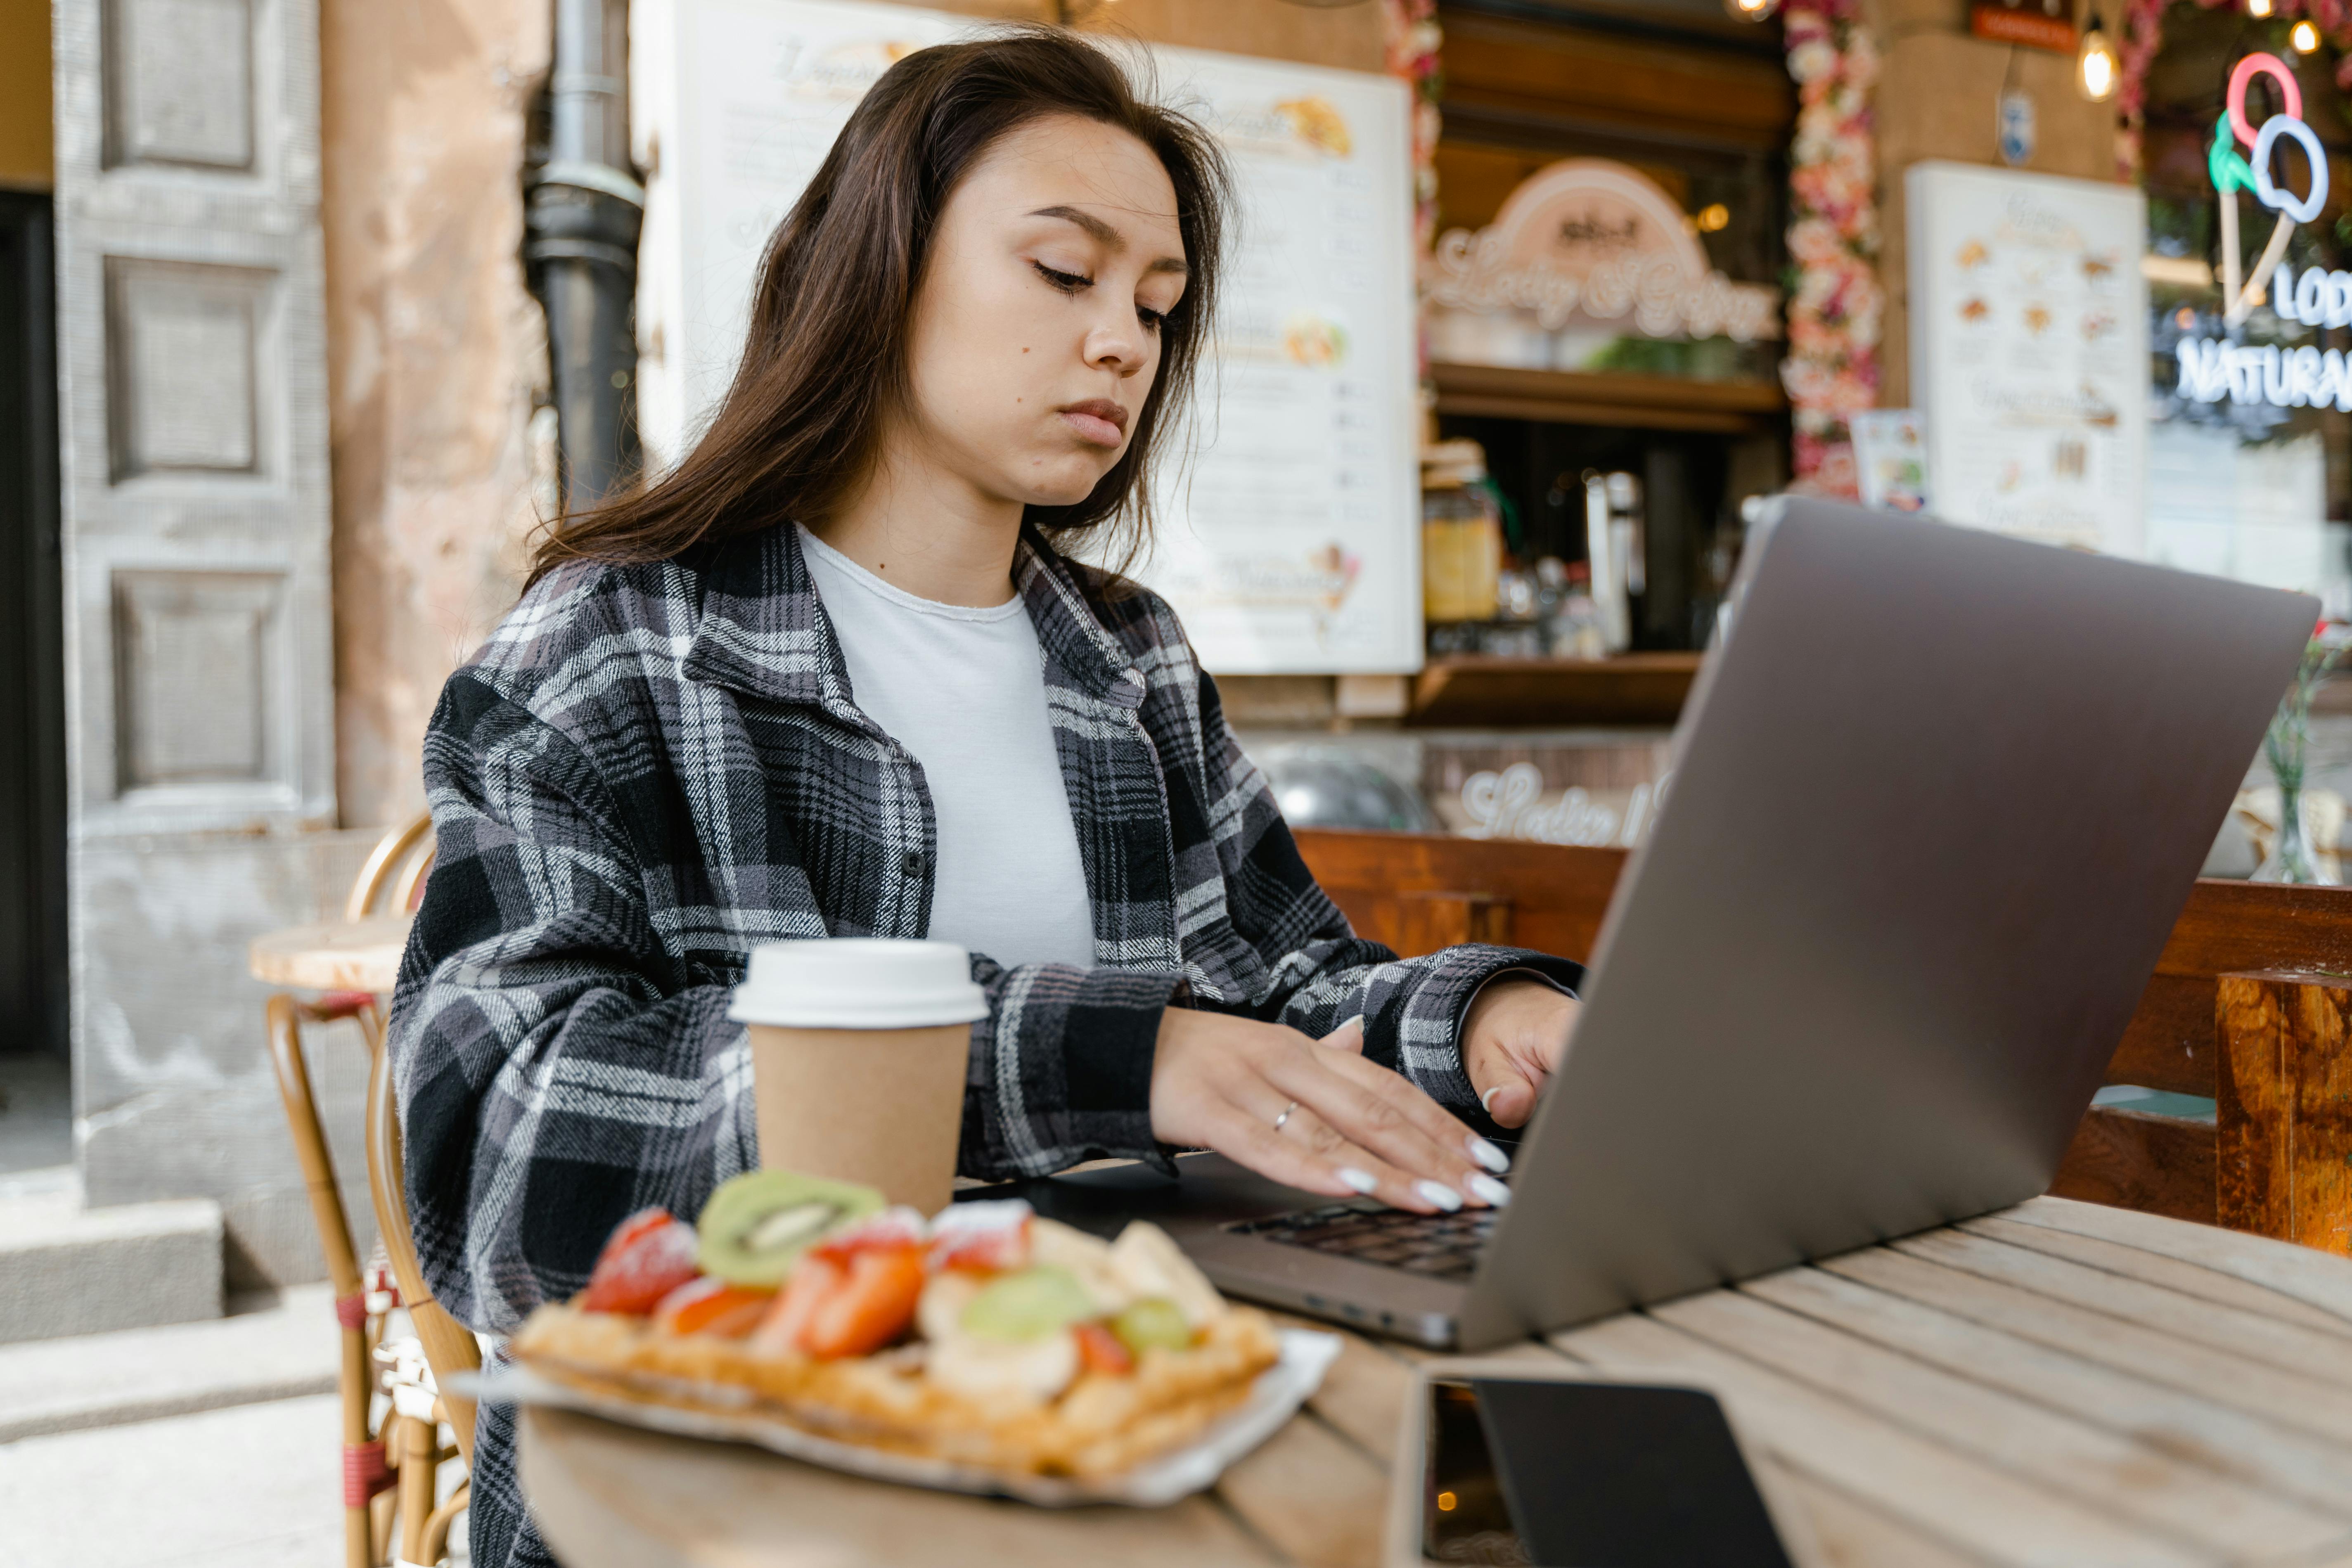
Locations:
173 1084
437 359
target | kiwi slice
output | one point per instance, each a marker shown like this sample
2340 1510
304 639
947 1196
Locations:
1028 1305
1153 1321
757 1225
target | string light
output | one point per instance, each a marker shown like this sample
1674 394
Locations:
2305 37
2258 9
1751 10
2095 66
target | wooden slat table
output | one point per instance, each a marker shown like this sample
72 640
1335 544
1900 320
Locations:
2060 1385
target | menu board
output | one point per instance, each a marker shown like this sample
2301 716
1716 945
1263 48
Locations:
1289 541
2029 352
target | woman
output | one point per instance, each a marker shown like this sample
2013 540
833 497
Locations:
831 677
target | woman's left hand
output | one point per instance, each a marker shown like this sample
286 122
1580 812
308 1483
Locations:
1511 1042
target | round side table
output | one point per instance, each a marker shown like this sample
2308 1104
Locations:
342 955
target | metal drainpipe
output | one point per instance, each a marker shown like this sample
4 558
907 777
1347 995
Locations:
585 210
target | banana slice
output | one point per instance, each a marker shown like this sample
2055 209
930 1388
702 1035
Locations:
994 1371
1146 1261
938 1314
1090 1258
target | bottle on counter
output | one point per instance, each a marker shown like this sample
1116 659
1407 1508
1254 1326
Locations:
1572 628
1461 544
1517 630
1616 546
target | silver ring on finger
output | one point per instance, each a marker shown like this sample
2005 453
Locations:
1283 1120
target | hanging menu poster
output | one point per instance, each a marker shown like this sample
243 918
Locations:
1290 541
2029 352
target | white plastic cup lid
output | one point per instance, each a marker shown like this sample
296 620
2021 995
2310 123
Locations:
858 983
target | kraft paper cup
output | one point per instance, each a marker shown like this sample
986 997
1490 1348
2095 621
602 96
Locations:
858 1056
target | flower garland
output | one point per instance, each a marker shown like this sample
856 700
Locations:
2143 34
1414 42
1835 304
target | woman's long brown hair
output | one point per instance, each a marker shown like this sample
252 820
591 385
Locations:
825 359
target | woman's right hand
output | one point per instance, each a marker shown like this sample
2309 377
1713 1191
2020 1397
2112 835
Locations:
1353 1127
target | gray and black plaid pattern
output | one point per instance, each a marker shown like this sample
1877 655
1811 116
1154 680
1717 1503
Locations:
649 769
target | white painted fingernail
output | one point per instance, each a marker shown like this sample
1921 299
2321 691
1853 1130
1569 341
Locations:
1441 1194
1487 1100
1361 1180
1487 1155
1485 1186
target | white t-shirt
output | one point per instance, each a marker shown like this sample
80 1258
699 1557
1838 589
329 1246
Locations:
964 691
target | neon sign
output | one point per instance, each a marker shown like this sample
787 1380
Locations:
2233 171
2213 369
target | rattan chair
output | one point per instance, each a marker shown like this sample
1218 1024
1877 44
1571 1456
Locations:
450 1347
390 1464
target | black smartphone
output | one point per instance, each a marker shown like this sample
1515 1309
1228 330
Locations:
1553 1474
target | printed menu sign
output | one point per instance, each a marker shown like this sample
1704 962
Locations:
2029 352
1289 542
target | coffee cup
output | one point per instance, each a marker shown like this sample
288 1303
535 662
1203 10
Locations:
859 1049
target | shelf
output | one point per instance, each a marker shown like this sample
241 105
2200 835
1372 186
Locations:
1589 397
1492 692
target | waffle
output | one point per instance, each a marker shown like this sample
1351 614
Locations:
1102 1425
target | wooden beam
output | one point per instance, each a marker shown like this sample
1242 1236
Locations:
2225 928
1611 416
1598 397
1613 389
1638 688
1545 69
2284 1110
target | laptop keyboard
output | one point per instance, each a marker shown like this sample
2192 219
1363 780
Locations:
1442 1245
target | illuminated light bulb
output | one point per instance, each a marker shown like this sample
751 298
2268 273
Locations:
2305 37
1751 10
2095 66
1713 218
2258 9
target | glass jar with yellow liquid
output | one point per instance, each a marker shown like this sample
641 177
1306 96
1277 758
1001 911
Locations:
1461 536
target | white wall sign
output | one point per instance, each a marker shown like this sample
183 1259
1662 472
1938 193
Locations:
2029 352
1291 543
1591 240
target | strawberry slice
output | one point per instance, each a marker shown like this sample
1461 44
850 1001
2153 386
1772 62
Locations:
712 1306
990 1238
812 1280
635 1229
649 1255
893 1230
845 1299
871 1307
1099 1350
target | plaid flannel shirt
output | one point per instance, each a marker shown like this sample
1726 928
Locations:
649 769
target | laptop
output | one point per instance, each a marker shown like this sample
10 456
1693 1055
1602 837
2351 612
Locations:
1937 797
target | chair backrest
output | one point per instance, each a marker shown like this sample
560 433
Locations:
395 872
449 1346
1419 892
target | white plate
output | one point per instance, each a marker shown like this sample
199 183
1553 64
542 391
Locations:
1280 1390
